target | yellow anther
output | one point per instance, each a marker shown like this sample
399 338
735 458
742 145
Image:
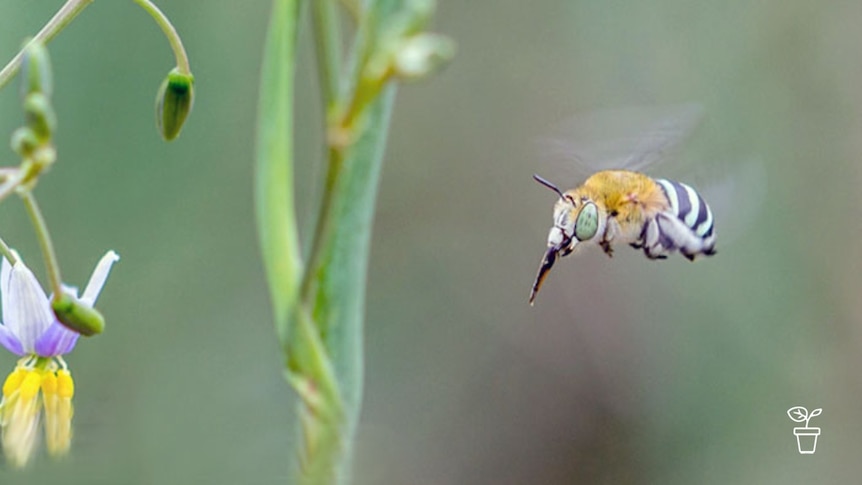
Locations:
58 429
13 382
31 384
65 385
49 383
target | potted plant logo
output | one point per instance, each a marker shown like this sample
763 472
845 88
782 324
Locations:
806 437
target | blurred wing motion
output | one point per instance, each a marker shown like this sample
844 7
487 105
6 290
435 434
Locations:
736 195
628 138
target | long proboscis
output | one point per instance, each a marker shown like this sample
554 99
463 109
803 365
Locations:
547 262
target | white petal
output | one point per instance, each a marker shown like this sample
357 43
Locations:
69 290
26 311
5 270
97 281
5 273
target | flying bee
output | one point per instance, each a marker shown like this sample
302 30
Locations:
623 206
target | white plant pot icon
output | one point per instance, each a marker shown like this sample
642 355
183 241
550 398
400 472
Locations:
806 439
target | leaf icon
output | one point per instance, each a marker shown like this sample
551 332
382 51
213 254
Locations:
815 412
798 413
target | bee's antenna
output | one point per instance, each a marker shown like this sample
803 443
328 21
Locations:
548 185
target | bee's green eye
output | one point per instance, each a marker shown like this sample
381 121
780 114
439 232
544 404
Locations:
587 222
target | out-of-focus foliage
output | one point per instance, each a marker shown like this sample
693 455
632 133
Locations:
626 370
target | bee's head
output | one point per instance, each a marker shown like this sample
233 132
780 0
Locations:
576 219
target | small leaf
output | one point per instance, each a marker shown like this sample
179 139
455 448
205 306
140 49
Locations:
24 141
274 197
36 70
815 412
798 414
40 115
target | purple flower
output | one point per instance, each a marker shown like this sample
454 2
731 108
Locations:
29 326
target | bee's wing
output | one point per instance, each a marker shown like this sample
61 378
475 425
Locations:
735 196
629 138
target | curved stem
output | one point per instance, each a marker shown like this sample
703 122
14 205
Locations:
44 238
11 183
7 252
170 33
58 22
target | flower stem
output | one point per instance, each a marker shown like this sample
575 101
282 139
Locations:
58 22
170 33
327 37
44 238
11 183
7 252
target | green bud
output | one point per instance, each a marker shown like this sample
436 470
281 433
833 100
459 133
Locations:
24 141
422 54
78 317
39 115
36 70
45 155
173 103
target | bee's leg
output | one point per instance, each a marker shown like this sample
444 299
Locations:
612 228
606 246
651 241
567 250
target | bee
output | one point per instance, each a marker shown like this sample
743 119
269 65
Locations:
622 206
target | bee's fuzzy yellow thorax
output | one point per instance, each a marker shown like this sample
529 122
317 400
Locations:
628 196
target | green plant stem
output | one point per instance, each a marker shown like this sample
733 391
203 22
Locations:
11 184
327 37
58 22
323 228
7 252
171 33
44 237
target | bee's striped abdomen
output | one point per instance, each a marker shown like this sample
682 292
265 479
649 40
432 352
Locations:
687 225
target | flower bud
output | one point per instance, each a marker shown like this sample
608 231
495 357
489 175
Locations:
78 317
24 141
36 70
173 103
39 115
422 54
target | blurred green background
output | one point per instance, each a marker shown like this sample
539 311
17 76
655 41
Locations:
626 371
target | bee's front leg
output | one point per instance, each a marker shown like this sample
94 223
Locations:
611 228
606 246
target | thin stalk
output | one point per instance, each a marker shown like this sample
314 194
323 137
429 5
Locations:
170 33
44 238
7 252
8 172
327 37
11 184
58 22
324 226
